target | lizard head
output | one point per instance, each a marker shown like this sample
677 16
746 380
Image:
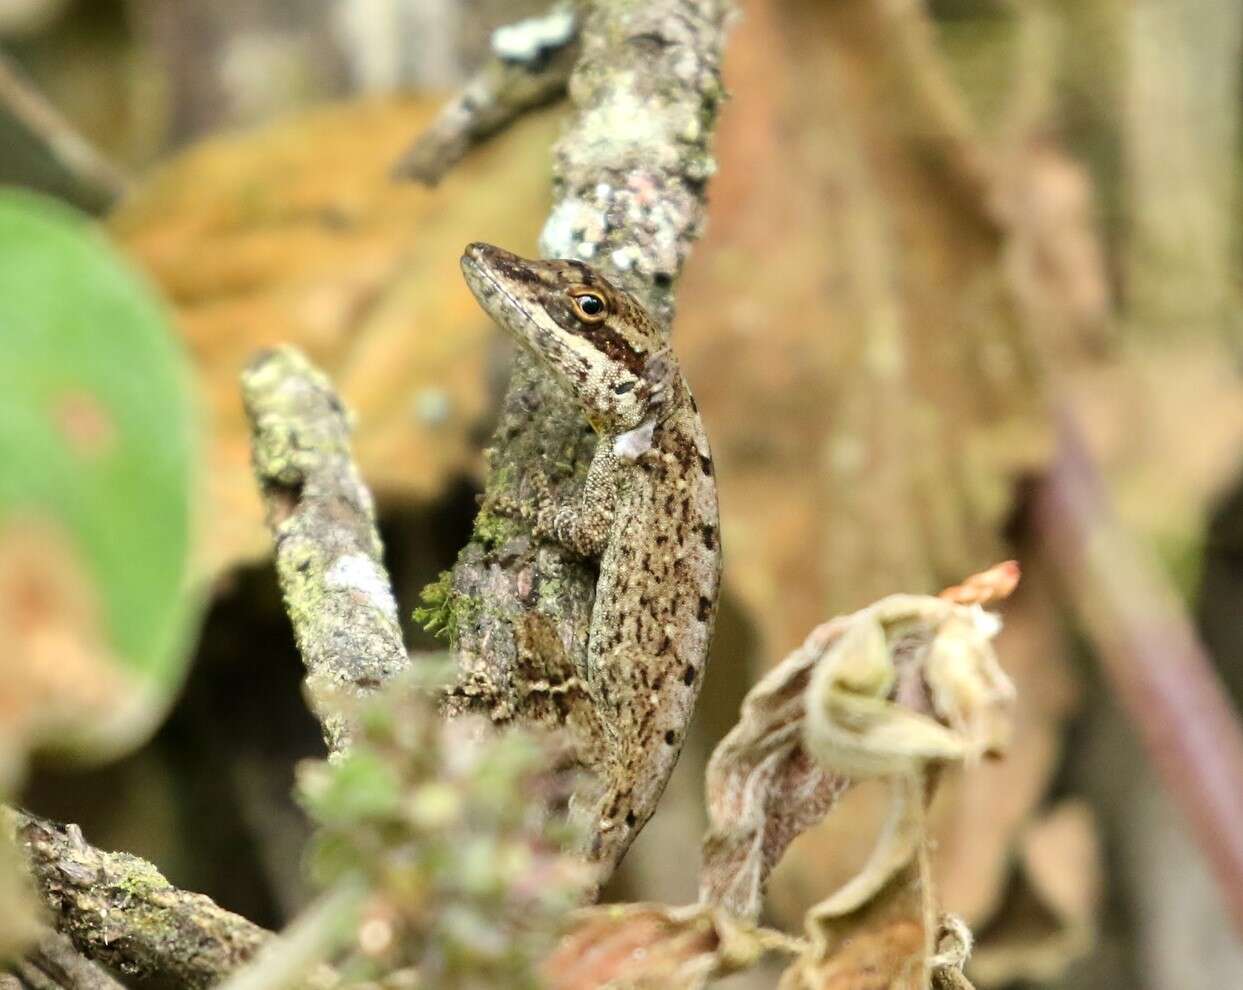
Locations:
598 340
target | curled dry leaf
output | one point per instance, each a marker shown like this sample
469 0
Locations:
980 813
892 941
852 725
992 585
763 788
911 679
881 692
880 929
654 946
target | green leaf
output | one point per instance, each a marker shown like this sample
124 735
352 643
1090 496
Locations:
97 449
360 787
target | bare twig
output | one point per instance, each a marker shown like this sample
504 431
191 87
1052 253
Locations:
1151 655
119 910
942 119
328 553
63 142
629 181
529 67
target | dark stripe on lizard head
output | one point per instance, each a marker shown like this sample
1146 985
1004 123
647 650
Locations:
596 338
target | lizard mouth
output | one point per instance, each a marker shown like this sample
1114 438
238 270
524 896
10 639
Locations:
486 286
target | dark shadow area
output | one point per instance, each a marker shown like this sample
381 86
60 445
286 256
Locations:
214 785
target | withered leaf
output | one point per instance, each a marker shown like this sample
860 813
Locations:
296 233
894 941
882 692
763 789
654 946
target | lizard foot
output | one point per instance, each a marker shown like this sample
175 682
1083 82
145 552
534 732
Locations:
510 506
538 511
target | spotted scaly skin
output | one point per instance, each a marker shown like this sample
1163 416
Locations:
648 513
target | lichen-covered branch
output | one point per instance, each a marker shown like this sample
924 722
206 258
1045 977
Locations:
630 172
55 964
629 183
119 910
529 67
328 553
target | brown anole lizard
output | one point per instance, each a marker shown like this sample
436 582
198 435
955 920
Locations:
647 514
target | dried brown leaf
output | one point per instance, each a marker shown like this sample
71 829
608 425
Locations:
296 234
763 787
908 681
893 942
653 946
992 585
979 815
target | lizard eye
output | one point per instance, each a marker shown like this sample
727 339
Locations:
590 307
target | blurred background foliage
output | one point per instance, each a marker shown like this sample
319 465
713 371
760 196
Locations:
935 229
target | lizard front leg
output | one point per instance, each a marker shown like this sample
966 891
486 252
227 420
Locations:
581 525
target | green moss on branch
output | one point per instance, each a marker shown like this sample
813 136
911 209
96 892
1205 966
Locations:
121 911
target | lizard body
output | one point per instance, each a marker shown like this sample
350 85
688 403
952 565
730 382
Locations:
648 514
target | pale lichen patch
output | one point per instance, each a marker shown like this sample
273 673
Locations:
359 573
528 40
